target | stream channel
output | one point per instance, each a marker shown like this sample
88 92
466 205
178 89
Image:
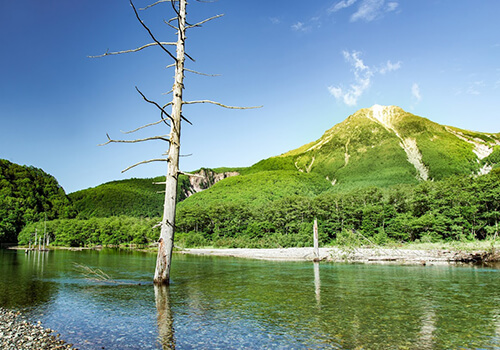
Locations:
231 303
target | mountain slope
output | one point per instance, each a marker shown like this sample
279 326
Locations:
381 146
384 146
27 194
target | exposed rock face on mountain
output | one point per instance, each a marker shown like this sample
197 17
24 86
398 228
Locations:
384 145
205 178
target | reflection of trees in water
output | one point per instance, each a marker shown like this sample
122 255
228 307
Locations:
165 318
19 269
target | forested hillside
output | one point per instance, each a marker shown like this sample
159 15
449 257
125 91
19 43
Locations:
459 208
27 194
380 175
132 197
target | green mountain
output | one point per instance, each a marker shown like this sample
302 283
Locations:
28 194
380 175
384 146
381 146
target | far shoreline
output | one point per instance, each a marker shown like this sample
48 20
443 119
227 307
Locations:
412 254
366 255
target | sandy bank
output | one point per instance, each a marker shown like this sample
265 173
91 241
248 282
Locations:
354 255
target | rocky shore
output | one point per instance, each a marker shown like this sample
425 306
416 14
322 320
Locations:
18 334
355 255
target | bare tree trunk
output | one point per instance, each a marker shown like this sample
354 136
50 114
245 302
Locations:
166 242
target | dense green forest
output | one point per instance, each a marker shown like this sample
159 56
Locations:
459 208
27 194
132 197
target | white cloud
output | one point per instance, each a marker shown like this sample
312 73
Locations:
389 67
368 10
415 92
300 27
391 6
362 80
341 5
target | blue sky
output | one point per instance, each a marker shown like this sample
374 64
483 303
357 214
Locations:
309 63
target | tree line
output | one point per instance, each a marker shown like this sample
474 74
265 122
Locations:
458 208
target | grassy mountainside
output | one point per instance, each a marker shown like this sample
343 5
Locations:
27 194
385 146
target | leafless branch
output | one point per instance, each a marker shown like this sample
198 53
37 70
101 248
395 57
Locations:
144 126
107 53
170 24
185 155
150 33
195 72
156 3
191 58
110 140
218 104
204 21
145 162
186 120
156 226
156 104
159 183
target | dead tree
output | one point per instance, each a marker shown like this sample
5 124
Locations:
172 120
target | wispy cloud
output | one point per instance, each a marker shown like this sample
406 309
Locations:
474 88
341 5
363 75
275 20
362 80
415 92
368 10
301 27
389 67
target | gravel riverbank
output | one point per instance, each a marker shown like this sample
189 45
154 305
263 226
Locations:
354 255
18 334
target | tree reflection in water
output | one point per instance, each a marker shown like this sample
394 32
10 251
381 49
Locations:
165 318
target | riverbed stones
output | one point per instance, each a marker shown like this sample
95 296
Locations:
18 334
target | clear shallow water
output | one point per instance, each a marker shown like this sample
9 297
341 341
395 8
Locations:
230 303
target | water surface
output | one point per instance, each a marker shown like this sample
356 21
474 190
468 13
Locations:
231 303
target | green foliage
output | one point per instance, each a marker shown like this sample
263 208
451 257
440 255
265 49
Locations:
93 231
27 194
455 209
132 197
493 159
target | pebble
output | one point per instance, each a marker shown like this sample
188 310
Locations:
18 334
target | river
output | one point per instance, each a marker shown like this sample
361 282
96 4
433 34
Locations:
230 303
